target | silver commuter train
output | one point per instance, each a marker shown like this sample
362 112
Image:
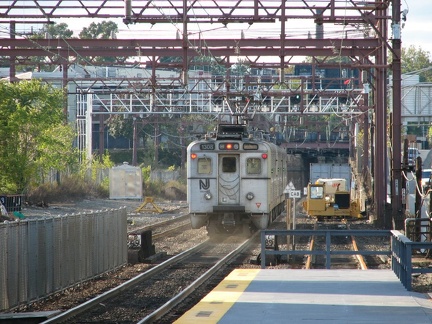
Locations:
235 181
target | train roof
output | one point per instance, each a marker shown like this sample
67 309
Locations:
231 131
240 132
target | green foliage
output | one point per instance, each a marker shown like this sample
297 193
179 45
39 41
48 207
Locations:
54 30
104 162
168 156
90 180
99 164
103 30
32 134
119 126
153 188
146 173
416 59
241 67
48 31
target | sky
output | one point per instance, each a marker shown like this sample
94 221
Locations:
416 30
418 25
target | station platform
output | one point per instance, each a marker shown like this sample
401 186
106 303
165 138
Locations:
311 296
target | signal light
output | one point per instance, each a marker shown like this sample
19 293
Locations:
296 99
229 146
193 156
264 156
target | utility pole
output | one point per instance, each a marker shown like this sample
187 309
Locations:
396 194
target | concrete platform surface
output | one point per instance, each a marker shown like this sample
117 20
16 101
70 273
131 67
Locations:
311 296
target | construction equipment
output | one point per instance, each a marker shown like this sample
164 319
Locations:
328 198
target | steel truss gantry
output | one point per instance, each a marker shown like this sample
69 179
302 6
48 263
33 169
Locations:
355 30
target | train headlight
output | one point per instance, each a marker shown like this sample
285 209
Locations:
207 196
250 196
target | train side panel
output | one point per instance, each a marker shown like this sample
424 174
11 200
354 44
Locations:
201 184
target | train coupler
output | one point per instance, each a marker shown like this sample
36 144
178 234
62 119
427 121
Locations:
228 219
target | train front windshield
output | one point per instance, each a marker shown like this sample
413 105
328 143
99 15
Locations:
317 192
229 164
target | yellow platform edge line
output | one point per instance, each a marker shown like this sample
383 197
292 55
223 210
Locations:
217 302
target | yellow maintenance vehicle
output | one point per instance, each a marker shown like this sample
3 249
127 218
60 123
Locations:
329 198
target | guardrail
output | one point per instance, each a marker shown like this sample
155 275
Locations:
400 249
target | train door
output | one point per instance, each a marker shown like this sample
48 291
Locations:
229 179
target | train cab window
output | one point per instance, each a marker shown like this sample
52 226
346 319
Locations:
317 192
204 166
253 166
229 164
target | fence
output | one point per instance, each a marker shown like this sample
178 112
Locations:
400 249
41 256
11 202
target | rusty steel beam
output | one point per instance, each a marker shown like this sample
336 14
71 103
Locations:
368 53
334 43
160 11
162 52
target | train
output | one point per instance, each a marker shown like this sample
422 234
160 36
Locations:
236 178
329 199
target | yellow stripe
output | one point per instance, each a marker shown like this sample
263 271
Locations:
214 306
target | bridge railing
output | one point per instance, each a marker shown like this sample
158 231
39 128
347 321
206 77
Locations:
399 248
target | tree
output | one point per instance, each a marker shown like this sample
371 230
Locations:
33 137
417 59
54 30
48 31
103 30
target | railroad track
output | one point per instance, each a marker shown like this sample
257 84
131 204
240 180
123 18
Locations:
339 243
134 300
159 230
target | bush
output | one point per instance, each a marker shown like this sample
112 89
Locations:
175 190
70 189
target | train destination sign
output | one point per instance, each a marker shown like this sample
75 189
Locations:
207 147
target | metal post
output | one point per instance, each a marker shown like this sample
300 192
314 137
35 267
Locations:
263 249
294 213
290 239
396 126
328 255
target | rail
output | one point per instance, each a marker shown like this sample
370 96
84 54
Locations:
400 250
